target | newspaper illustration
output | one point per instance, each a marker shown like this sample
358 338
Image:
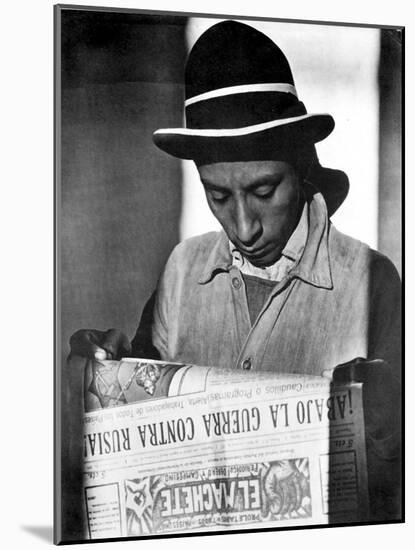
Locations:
172 448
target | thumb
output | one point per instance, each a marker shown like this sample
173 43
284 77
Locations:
115 344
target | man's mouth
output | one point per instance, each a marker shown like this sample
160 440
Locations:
254 253
261 256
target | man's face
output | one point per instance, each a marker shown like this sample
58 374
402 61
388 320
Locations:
256 203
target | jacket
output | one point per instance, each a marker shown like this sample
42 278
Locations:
341 300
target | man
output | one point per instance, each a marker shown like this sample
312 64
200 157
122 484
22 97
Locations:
280 289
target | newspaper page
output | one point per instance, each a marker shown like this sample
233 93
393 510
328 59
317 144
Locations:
174 448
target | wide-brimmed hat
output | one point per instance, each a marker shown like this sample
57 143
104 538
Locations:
241 102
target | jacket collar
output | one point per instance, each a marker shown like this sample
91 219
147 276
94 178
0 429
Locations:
314 265
219 259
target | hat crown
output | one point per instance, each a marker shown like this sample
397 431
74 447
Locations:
234 54
241 103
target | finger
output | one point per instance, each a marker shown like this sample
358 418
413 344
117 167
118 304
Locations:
124 345
327 373
100 354
359 370
96 350
381 393
115 344
87 343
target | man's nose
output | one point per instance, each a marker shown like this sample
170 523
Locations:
248 225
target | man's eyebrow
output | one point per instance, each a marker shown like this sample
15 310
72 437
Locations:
213 186
269 179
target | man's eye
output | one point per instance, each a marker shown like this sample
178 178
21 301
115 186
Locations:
264 191
218 196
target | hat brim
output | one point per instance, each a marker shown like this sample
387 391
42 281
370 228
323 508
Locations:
333 185
254 142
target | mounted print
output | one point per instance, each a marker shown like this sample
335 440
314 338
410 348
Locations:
228 274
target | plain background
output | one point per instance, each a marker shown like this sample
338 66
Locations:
27 279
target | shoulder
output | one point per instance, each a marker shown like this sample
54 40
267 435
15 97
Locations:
383 265
352 254
188 261
385 282
189 257
200 245
346 250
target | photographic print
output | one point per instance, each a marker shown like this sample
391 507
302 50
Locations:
228 230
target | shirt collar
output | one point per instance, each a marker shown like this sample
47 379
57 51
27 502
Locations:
311 253
296 243
219 259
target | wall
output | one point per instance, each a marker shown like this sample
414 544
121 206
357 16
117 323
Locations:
121 80
390 147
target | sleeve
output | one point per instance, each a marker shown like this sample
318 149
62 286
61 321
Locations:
142 343
384 455
152 336
385 299
160 326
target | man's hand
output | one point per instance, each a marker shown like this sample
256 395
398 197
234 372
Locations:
100 345
381 393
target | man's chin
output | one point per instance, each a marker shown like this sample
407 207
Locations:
264 261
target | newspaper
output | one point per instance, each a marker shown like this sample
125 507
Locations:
172 448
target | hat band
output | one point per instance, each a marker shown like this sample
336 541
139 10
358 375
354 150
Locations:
243 89
242 110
